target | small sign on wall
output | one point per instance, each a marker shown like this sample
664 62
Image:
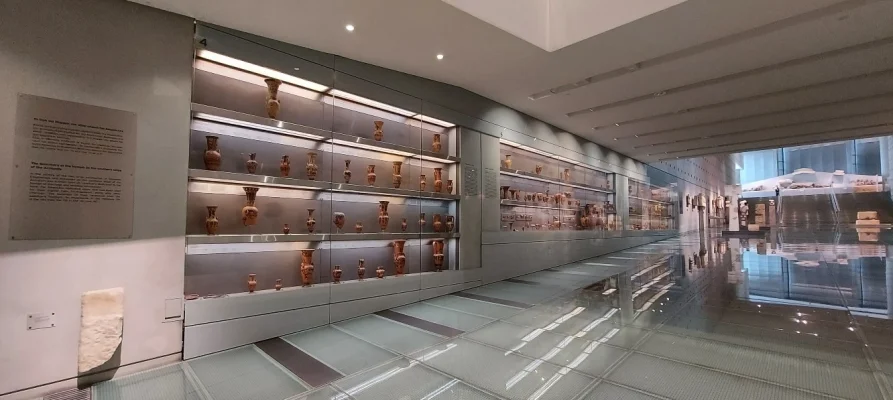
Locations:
73 171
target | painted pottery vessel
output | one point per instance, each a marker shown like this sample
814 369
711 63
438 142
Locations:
311 222
358 227
438 255
339 220
396 178
347 173
438 181
422 182
312 167
399 257
436 145
504 192
251 164
273 104
284 166
383 217
285 229
438 224
370 175
379 272
307 267
212 154
538 169
422 221
211 222
361 269
252 282
450 223
250 211
378 134
508 161
336 274
403 225
278 285
449 186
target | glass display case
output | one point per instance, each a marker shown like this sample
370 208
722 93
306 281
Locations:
540 191
651 207
295 184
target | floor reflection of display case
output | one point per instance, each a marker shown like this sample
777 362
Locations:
540 191
650 207
297 186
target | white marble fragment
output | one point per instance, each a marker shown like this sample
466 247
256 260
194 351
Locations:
102 327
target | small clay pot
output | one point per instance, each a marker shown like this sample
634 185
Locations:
251 164
252 282
370 175
347 173
422 182
379 272
312 168
450 223
285 229
396 178
307 267
336 274
422 221
508 161
272 106
284 166
278 285
211 222
361 269
339 220
212 154
311 222
250 212
383 217
358 227
539 169
449 186
438 181
403 225
438 224
436 145
378 135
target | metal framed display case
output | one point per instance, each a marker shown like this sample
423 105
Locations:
540 191
301 195
650 207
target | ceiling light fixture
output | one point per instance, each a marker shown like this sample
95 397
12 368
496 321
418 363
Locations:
616 124
440 56
349 27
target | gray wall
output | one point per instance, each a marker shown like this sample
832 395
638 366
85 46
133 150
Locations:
119 55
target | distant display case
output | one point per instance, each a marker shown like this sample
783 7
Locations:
651 207
540 191
295 185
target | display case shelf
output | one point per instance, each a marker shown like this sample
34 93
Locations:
515 203
650 200
276 127
313 237
201 175
532 176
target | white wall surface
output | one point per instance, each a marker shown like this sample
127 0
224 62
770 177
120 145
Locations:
113 54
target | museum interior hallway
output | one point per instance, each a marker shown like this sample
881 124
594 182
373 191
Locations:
801 315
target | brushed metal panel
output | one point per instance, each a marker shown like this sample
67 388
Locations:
351 309
199 340
429 293
470 208
490 162
444 278
242 305
374 287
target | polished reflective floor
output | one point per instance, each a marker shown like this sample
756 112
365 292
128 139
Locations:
799 315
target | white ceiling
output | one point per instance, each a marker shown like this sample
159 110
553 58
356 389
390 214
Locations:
701 77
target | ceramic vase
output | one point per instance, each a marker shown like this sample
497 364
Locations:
361 269
311 222
436 146
438 255
252 282
403 225
513 194
399 257
312 168
212 154
378 134
336 274
438 224
567 175
370 175
285 229
339 220
211 222
538 169
250 212
347 173
251 164
358 227
422 182
307 267
504 192
508 161
449 186
379 272
438 181
383 217
422 222
396 178
450 223
272 105
284 166
278 285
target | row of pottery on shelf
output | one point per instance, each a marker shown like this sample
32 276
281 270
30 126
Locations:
565 173
506 193
250 215
307 267
212 162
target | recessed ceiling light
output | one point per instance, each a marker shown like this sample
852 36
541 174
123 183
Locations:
615 138
440 56
616 124
349 27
